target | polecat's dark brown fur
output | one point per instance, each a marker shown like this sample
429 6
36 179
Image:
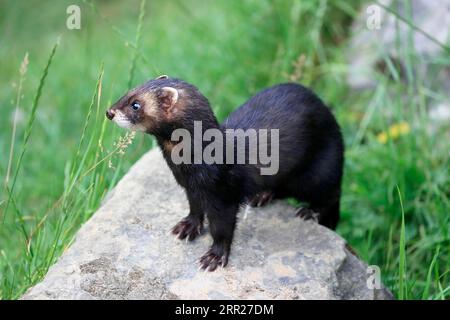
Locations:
310 155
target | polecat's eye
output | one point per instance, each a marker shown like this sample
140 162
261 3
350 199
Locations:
135 105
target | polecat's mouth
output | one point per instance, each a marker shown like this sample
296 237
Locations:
122 120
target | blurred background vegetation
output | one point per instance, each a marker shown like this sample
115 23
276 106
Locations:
65 157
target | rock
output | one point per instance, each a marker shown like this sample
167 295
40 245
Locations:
126 251
369 44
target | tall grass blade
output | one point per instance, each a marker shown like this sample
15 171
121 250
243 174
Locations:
136 43
426 291
413 26
402 256
30 126
22 71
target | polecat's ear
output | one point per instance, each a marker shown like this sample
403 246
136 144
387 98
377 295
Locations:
163 76
169 96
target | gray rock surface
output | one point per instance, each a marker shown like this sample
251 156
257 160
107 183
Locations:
126 251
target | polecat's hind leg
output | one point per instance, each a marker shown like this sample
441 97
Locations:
323 200
327 216
261 199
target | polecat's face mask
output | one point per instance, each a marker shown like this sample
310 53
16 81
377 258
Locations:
142 108
127 112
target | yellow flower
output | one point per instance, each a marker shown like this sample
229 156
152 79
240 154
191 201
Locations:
404 128
394 131
382 137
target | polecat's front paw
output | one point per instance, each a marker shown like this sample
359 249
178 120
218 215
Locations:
188 228
213 258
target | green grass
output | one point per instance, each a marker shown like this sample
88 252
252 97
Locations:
66 156
402 290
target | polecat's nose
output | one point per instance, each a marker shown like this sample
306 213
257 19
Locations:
110 114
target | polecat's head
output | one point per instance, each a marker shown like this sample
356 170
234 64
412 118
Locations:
150 106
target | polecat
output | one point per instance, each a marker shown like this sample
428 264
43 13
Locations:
310 154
